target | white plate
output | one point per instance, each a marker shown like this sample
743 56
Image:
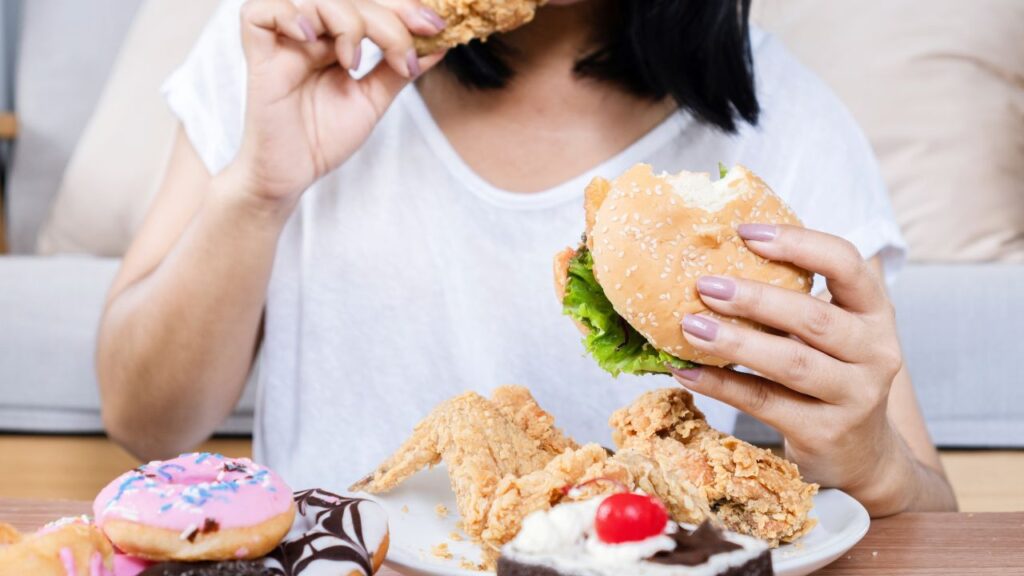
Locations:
416 528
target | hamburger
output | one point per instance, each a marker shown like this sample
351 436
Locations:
648 238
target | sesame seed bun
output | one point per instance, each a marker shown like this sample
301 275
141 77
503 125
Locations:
652 236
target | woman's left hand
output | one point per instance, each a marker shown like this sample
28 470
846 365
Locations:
825 388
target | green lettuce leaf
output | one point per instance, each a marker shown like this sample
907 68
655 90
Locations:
722 170
616 345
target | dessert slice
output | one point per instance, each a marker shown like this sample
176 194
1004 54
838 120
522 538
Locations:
627 533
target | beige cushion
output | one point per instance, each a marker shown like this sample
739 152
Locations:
118 163
939 88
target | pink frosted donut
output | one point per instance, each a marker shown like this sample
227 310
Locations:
198 506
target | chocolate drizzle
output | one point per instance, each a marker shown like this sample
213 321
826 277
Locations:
694 548
327 540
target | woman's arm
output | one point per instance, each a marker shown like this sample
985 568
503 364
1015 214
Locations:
912 457
180 327
923 468
838 390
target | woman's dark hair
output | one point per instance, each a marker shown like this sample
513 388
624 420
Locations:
696 51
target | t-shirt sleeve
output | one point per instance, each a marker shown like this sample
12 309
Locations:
207 92
808 147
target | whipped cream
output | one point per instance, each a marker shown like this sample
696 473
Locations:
564 538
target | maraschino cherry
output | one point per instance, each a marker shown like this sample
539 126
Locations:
629 517
625 516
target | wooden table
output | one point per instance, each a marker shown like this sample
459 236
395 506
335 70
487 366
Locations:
904 545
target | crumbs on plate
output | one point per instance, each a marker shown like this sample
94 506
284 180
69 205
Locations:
455 537
441 510
405 509
442 551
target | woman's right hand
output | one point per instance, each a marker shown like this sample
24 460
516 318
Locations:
305 114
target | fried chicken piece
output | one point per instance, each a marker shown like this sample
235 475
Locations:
480 445
518 496
751 490
469 19
582 474
516 404
684 501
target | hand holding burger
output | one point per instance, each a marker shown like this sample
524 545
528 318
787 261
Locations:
680 275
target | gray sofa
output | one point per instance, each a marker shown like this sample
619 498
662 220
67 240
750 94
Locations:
962 325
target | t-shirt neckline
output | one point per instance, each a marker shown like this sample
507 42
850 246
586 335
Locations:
571 189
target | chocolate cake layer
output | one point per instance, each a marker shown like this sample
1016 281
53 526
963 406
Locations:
758 566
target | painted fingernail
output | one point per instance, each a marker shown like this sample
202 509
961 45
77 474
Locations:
357 56
717 287
413 62
689 374
757 232
700 326
307 28
431 18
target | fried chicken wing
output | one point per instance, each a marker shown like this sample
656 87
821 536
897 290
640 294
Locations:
469 19
477 441
518 405
517 496
750 489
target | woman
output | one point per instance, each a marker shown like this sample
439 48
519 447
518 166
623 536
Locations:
377 246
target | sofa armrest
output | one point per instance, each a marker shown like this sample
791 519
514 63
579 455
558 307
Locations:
49 313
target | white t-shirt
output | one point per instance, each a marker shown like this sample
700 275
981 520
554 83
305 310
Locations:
404 278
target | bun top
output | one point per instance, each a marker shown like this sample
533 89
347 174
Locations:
652 236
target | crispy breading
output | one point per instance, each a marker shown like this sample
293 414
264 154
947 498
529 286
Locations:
469 19
518 496
516 404
751 490
480 446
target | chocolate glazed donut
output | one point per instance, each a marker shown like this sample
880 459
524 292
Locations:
321 520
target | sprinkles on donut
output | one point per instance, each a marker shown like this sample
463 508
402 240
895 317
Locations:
198 506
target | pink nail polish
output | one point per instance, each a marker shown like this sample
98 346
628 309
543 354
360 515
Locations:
307 28
357 56
717 287
757 232
432 18
413 62
700 326
689 374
